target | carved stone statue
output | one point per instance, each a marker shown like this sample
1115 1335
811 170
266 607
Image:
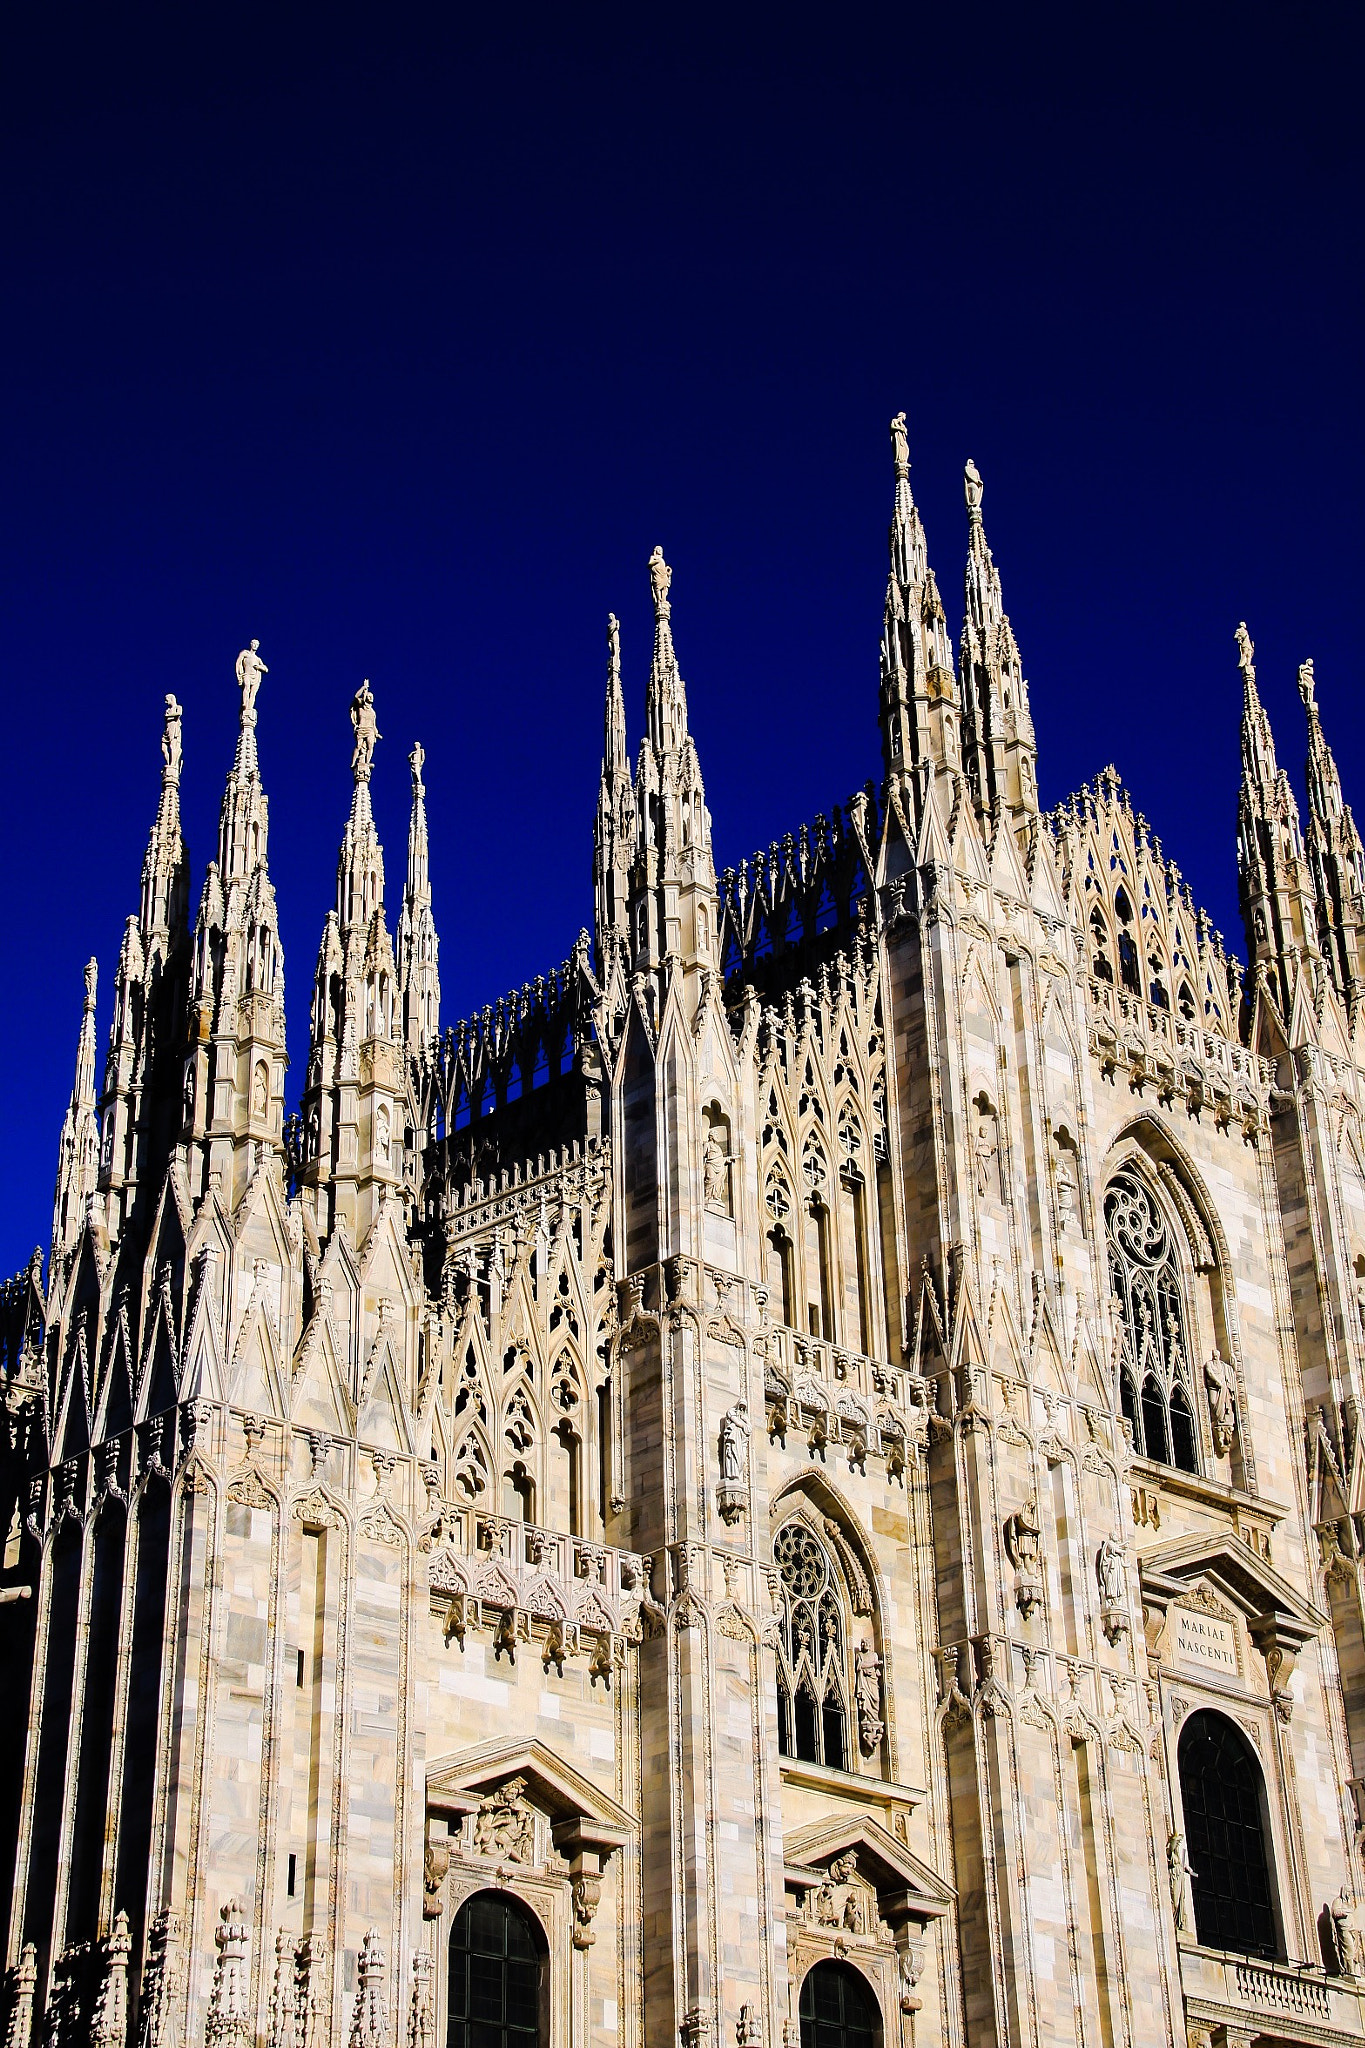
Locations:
867 1694
367 733
1023 1537
1111 1573
505 1825
1178 1868
660 578
170 743
900 445
416 762
614 638
734 1444
1066 1194
987 1145
1346 1935
1222 1406
250 669
715 1172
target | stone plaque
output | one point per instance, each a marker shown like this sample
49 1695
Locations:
1206 1639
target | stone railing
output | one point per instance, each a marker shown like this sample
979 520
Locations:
831 1395
1238 1992
494 1572
1176 1057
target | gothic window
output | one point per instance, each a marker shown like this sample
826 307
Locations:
1128 952
837 2008
1154 1388
498 1976
1220 1787
812 1662
1100 964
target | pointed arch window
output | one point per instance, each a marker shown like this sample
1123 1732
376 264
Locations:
1154 1381
1221 1792
812 1655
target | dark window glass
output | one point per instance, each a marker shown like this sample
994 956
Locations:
807 1741
1154 1422
832 1721
784 1733
1220 1784
837 2008
497 1976
1183 1452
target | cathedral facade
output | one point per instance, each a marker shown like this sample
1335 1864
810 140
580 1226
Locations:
796 1480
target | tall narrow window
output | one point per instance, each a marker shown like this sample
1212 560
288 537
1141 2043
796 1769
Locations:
498 1972
1154 1373
812 1658
1220 1788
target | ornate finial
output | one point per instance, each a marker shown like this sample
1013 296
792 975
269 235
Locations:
972 488
614 628
170 745
1306 682
416 761
900 446
367 733
1246 650
660 581
250 669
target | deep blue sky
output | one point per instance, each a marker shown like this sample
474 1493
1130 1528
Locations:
400 345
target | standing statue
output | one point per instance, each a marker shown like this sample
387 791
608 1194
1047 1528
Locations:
660 578
714 1164
1179 1868
1222 1406
1023 1537
900 445
867 1693
1109 1570
734 1444
250 669
987 1145
1346 1935
416 762
170 741
614 631
367 733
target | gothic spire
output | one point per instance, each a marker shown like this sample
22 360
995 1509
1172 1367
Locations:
997 730
673 878
1272 875
418 946
614 825
1335 859
360 869
666 698
165 865
918 690
79 1146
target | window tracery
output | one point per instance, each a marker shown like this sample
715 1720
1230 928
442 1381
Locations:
812 1655
1154 1381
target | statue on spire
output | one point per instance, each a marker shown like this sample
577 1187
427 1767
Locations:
367 733
660 582
614 626
250 669
972 489
416 761
170 742
1246 650
900 445
1307 685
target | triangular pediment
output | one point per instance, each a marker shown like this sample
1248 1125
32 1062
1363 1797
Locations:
1223 1561
551 1783
884 1860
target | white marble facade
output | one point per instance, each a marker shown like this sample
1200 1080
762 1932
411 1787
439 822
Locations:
823 1434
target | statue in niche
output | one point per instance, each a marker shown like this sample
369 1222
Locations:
250 669
987 1147
1023 1537
867 1693
1066 1193
1222 1406
367 733
734 1444
715 1170
826 1911
260 1090
381 1134
1111 1573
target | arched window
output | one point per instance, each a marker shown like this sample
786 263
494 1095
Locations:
838 2009
1220 1786
812 1658
499 1994
1154 1389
